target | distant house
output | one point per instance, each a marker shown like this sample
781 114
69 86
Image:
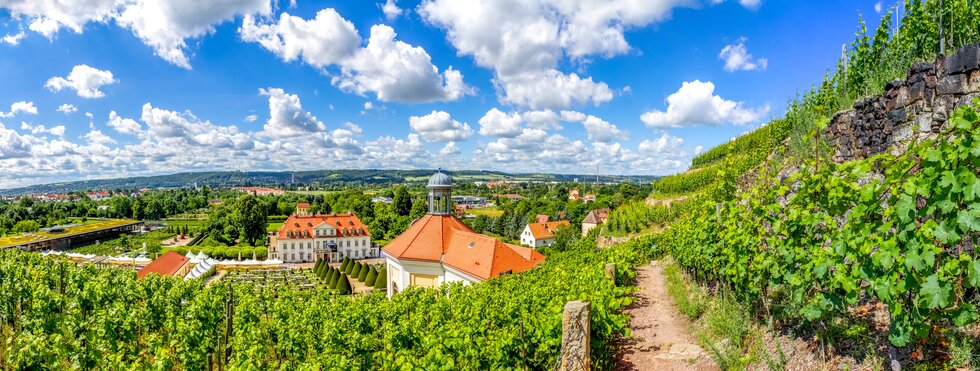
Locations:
593 219
541 232
260 191
169 264
469 201
574 195
440 248
98 195
382 199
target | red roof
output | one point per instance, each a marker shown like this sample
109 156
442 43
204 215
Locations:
447 240
543 231
303 205
302 226
166 265
597 216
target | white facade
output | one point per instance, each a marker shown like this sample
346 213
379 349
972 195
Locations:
405 273
527 239
305 250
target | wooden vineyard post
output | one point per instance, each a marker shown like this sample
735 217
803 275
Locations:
611 272
575 337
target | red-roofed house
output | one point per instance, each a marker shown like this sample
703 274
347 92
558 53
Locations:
542 232
305 237
440 248
168 264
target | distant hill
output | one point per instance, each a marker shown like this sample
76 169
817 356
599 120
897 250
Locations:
316 179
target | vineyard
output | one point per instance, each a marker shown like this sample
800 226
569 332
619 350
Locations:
637 217
735 157
813 244
57 315
833 236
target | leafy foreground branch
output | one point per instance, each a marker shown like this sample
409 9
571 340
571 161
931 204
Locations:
57 315
900 231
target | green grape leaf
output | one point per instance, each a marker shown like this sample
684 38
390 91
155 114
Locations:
936 294
973 273
899 332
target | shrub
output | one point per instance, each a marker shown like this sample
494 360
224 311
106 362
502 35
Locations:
381 281
372 277
362 276
356 270
343 286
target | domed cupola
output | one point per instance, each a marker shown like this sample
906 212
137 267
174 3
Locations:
440 193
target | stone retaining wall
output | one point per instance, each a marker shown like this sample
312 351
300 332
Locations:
916 107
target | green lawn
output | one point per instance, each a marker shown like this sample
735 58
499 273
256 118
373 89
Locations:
492 211
273 226
88 226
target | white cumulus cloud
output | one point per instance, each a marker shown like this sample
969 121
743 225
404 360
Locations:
737 58
287 118
67 109
391 10
123 125
84 80
13 39
438 126
497 123
524 41
695 104
391 69
20 107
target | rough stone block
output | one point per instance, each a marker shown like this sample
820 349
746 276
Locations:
902 133
952 84
966 59
922 67
575 337
902 98
924 122
917 92
931 82
973 83
894 85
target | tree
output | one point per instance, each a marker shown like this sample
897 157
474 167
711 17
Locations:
381 281
248 214
231 232
419 209
343 286
25 226
565 236
402 202
362 276
372 277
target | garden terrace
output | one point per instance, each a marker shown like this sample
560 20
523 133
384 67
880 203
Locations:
63 239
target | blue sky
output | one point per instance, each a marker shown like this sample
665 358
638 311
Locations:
113 88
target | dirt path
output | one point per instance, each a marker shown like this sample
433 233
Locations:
661 339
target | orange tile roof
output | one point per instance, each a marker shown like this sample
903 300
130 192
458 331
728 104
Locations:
301 226
447 240
543 231
166 265
303 205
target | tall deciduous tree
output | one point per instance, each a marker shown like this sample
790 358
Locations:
402 201
249 216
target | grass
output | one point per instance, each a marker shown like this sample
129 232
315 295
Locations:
720 322
42 235
491 211
273 226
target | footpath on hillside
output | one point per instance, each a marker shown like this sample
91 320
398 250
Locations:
661 339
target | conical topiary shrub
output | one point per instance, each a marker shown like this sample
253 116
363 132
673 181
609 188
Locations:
362 276
372 276
343 264
329 273
350 267
343 286
382 281
357 270
334 279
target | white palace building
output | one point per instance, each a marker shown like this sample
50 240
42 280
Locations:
306 237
